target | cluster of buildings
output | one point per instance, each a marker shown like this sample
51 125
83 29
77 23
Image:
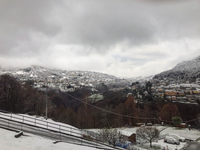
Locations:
180 92
68 82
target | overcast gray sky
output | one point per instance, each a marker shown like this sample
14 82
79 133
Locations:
125 38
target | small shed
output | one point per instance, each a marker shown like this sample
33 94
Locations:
183 125
132 138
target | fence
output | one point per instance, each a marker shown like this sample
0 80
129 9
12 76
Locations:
58 131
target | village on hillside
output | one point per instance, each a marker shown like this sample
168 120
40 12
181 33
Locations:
166 89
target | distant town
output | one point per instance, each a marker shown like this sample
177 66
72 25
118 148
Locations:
183 91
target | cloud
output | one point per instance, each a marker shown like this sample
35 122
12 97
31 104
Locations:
21 21
102 24
122 38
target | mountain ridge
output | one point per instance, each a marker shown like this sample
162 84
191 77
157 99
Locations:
86 78
185 69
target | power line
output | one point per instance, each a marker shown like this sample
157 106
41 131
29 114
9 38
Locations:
107 110
125 115
191 120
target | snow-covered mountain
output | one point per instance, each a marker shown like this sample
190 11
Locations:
185 69
38 73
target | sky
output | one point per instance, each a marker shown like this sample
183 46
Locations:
124 38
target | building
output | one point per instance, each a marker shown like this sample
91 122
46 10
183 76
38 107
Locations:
170 93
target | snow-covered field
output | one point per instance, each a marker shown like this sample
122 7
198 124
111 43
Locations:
33 142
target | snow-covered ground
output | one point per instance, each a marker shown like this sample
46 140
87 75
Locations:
33 142
56 126
188 134
192 134
41 126
43 123
170 146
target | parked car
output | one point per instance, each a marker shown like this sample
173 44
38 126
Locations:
125 144
171 140
180 138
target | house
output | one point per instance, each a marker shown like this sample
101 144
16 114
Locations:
180 93
173 97
170 93
196 92
190 96
132 138
187 92
198 81
168 97
192 100
182 98
160 89
183 125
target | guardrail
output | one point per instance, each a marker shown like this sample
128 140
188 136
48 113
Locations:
58 131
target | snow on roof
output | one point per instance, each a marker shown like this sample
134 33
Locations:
190 85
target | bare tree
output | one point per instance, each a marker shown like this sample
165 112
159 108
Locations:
9 93
111 136
147 133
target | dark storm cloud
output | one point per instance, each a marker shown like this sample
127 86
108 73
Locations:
19 20
95 24
105 23
178 19
121 33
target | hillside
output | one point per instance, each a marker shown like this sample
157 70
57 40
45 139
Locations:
39 73
184 70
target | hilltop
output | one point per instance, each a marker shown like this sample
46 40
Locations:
184 70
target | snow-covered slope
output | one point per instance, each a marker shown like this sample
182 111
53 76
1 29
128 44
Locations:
191 65
184 69
39 72
85 78
33 142
140 78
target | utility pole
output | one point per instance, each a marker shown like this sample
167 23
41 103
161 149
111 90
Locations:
46 101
